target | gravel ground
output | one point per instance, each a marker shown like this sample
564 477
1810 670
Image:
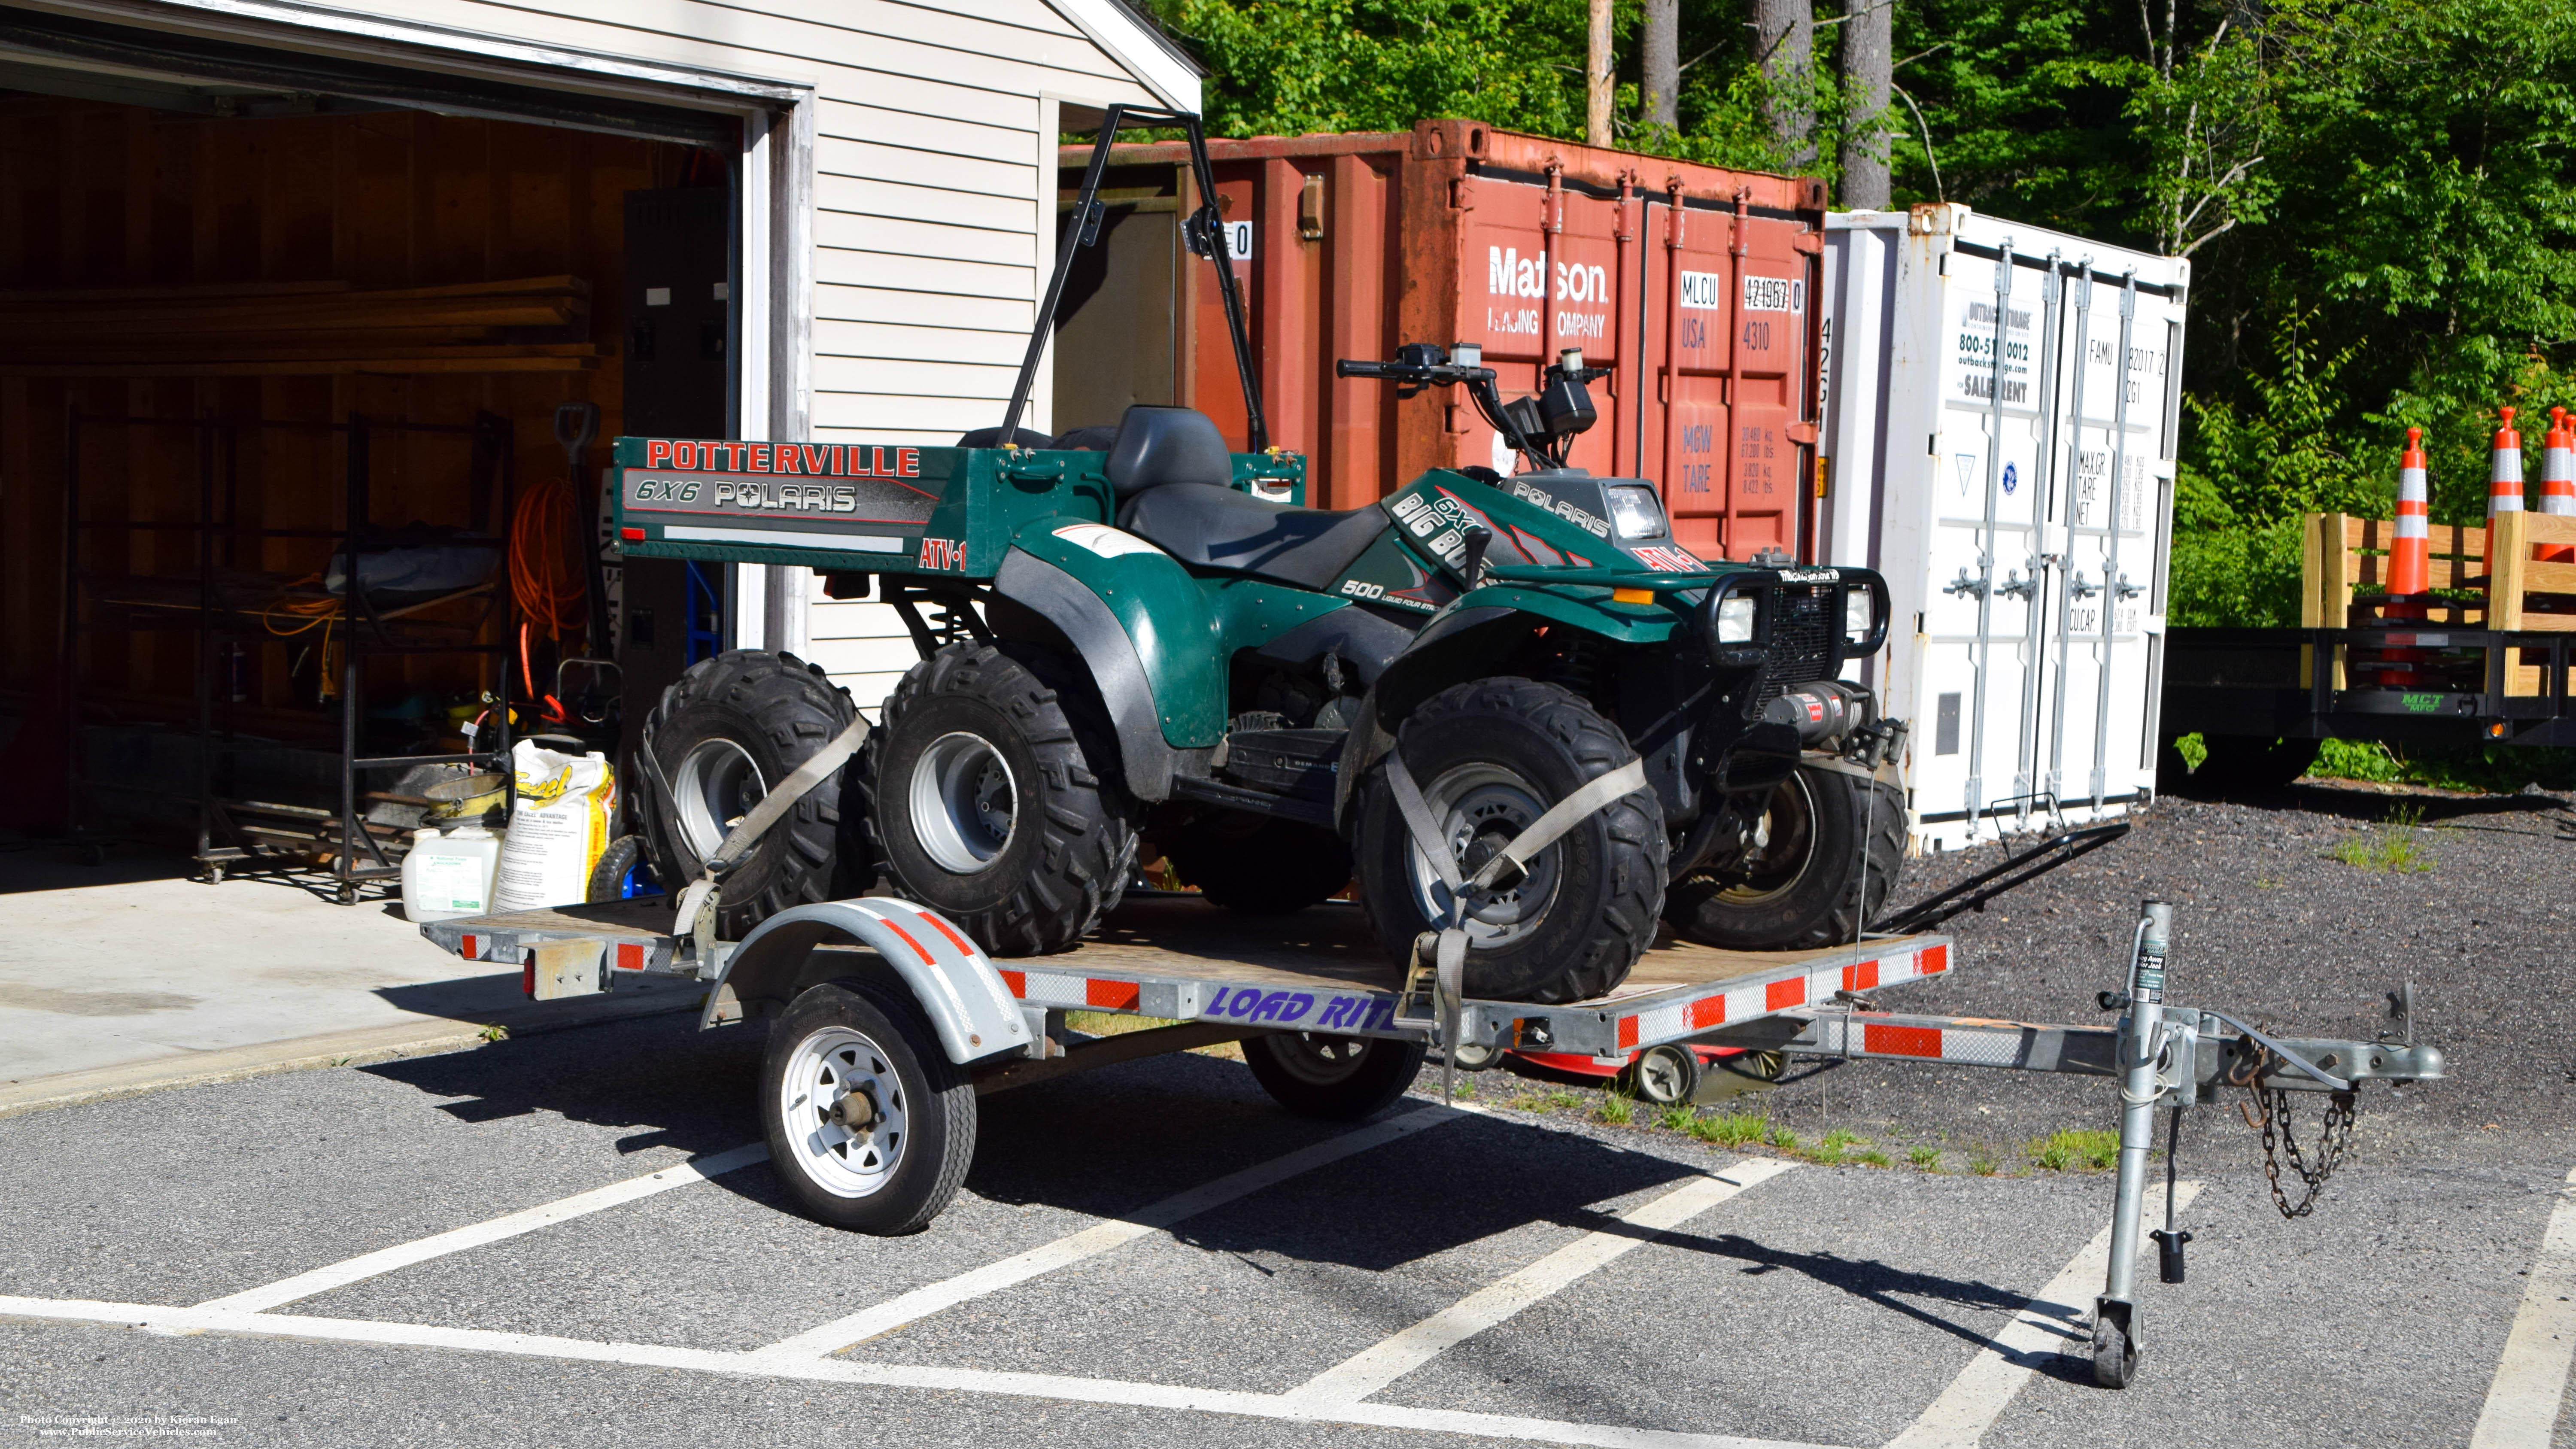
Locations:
2271 927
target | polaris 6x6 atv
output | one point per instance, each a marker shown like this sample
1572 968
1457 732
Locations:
1134 634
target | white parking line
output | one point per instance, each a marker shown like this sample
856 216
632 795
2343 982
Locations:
340 1275
161 1319
2039 1330
1372 1369
921 1302
2522 1403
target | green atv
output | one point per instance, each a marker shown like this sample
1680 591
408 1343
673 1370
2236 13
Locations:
1133 641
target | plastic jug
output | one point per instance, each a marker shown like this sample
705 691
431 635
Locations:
450 873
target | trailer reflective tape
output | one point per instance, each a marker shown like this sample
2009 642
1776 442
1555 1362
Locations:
1627 1033
630 956
781 538
1708 1011
1860 977
1112 995
917 948
466 948
1901 1041
951 932
1932 960
1780 995
1043 988
1017 982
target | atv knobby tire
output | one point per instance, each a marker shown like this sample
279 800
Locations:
724 733
1803 886
1490 756
995 797
1257 866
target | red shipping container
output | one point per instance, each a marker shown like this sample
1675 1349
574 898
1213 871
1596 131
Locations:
1693 283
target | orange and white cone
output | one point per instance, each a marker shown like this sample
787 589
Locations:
2410 545
2558 481
2504 481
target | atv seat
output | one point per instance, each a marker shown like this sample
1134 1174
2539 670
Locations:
1174 477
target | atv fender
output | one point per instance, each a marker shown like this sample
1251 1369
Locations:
1457 645
1144 628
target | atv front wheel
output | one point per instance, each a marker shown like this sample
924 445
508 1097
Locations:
1491 756
996 800
723 734
1825 851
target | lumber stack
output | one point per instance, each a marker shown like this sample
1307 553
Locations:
2344 578
527 324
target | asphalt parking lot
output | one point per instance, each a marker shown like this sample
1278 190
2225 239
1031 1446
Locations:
570 1238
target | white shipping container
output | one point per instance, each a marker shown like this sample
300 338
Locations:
2000 416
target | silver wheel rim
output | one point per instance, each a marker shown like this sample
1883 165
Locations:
1483 802
830 1066
1319 1061
716 785
964 802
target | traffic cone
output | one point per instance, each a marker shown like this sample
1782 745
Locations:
2504 482
2410 545
2558 481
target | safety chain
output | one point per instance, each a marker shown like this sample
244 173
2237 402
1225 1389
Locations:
2334 1135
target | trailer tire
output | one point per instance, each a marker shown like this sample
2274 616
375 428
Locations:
1490 757
722 734
625 870
1334 1078
838 1041
1831 836
1254 866
995 797
1665 1076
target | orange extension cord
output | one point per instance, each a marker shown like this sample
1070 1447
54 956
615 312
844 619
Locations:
545 568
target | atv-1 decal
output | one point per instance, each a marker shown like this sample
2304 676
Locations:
861 500
810 460
1531 493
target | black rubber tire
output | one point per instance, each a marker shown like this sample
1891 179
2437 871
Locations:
1811 894
1664 1076
1258 866
1610 867
778 710
1047 887
608 878
2115 1354
1308 1073
937 1098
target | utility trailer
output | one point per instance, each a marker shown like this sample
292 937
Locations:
872 1122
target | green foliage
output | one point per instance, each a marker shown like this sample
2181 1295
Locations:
2193 748
2083 1149
2391 849
2480 769
2356 760
1926 1157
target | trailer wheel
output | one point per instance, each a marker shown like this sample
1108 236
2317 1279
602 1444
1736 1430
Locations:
1255 866
870 1124
1491 756
996 799
723 733
2115 1354
1336 1078
1664 1075
625 871
1824 838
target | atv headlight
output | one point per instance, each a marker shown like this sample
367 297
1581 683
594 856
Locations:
1735 620
1636 512
1856 614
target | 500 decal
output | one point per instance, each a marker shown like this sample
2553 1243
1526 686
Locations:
1300 1008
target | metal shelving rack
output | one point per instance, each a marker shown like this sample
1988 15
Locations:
212 616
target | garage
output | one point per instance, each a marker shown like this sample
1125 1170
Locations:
285 287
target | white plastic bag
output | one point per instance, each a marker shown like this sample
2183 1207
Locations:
558 829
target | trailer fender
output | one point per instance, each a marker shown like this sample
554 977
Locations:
950 977
1144 628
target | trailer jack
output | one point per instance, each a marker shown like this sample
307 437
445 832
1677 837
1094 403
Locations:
2162 1056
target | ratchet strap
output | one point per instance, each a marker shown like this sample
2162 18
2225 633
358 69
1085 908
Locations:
697 905
1448 942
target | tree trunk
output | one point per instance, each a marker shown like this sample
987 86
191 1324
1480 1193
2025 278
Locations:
1866 44
1784 41
1660 55
1596 77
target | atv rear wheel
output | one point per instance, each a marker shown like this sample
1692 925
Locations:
1255 866
1491 756
723 733
995 797
1801 883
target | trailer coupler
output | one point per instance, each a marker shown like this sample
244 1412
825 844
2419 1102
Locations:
2162 1056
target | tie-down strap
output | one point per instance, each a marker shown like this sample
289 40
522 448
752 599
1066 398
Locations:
1449 954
